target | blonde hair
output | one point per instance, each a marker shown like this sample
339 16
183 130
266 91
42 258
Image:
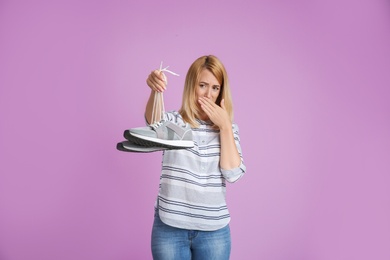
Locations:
189 109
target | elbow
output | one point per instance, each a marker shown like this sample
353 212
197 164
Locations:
233 175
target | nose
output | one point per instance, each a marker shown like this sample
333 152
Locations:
208 93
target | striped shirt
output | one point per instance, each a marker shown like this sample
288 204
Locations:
192 191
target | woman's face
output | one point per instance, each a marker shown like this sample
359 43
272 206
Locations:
208 86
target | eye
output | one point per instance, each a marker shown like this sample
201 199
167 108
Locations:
216 88
201 85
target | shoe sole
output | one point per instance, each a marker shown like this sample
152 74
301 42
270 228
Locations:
150 141
138 141
127 146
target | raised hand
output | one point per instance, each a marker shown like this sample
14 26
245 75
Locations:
157 81
217 114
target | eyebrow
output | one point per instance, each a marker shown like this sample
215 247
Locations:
209 84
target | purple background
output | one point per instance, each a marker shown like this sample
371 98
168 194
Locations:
311 87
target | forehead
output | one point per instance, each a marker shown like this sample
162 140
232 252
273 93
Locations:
207 77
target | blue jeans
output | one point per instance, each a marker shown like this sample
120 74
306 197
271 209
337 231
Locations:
170 243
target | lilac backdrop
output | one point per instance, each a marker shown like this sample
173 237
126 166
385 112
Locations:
310 81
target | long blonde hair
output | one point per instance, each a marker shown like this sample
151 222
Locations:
189 109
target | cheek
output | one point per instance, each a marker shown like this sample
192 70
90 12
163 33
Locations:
215 96
197 94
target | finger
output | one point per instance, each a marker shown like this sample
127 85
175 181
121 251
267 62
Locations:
208 108
151 85
212 106
156 75
156 82
208 101
163 78
159 76
155 85
202 102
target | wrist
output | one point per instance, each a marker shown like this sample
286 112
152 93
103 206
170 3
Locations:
225 128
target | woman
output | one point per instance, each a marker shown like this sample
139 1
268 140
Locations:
192 219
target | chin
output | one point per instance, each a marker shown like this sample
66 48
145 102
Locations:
204 118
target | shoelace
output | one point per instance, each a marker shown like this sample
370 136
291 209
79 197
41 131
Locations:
156 125
158 104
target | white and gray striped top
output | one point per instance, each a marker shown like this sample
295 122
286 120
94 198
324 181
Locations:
192 185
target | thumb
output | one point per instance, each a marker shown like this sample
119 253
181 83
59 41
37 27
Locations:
164 78
223 104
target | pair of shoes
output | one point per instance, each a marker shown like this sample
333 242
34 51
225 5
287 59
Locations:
157 137
160 135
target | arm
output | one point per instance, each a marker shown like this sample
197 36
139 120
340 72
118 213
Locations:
231 161
234 174
230 158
